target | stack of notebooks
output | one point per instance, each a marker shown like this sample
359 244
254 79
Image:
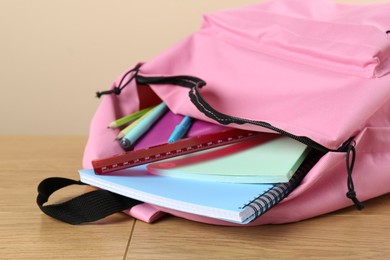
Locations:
237 178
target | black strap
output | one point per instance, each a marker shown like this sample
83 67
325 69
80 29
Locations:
87 207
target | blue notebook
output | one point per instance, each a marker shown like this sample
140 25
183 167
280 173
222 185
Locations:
234 202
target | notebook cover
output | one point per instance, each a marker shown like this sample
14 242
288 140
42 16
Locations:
217 200
268 158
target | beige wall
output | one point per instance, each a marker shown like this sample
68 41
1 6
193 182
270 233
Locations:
56 53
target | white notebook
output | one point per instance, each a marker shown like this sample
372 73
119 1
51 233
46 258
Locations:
268 158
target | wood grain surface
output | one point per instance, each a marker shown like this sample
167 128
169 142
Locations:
26 233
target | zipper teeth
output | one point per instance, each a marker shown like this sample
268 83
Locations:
224 119
305 140
195 96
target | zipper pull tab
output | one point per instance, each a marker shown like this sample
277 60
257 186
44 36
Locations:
350 159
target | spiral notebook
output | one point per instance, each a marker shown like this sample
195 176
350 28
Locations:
234 202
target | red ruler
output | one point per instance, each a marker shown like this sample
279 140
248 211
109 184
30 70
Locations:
169 150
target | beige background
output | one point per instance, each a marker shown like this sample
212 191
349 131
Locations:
55 54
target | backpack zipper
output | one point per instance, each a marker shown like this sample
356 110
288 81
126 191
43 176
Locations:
224 119
347 147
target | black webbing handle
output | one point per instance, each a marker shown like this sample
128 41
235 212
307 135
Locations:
87 207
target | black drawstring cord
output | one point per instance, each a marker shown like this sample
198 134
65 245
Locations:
117 90
351 194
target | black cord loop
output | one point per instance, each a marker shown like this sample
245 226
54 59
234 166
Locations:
350 159
118 89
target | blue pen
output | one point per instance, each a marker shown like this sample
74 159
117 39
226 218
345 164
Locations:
181 129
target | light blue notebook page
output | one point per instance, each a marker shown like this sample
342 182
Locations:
268 158
224 201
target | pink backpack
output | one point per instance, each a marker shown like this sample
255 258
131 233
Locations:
315 71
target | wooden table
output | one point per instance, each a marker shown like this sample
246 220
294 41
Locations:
26 233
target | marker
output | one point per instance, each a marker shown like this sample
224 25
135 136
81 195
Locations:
181 129
127 142
126 119
131 126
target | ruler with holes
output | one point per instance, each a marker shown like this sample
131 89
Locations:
170 150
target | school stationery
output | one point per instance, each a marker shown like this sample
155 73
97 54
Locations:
159 133
181 129
124 120
265 159
239 203
169 150
142 126
127 129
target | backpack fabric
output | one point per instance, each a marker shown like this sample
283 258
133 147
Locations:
316 71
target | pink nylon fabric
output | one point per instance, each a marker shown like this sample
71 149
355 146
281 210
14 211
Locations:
317 69
284 66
